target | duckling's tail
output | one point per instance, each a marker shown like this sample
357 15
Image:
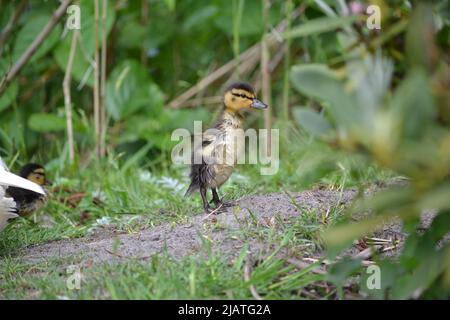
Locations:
192 187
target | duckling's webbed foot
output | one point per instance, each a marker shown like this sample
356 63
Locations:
219 203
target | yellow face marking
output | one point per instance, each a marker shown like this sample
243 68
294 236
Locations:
37 176
238 99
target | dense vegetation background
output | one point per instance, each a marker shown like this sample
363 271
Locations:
354 106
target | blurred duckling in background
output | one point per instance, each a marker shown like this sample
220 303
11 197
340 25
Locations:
213 171
27 201
8 206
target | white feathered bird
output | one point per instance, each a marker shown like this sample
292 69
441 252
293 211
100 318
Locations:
7 205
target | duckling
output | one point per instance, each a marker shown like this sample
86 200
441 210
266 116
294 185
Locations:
8 207
28 201
213 171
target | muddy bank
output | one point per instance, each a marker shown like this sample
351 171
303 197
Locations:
224 233
216 231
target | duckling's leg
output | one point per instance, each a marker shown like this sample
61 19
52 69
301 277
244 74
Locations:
205 200
216 198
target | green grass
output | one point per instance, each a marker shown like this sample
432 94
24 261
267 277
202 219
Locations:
140 198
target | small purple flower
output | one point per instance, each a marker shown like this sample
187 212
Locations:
356 7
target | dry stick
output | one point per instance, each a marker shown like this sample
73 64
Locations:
229 66
67 96
201 101
11 24
247 277
202 84
265 73
103 84
303 265
274 62
12 73
97 122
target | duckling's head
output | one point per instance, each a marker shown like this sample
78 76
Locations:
241 96
34 172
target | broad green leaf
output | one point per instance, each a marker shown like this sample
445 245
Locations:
33 26
130 89
420 45
199 17
413 106
438 199
9 96
320 25
311 121
46 122
319 82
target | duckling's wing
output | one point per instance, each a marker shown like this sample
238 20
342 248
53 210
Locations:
9 179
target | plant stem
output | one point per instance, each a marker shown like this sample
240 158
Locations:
287 63
67 96
97 120
237 18
104 49
265 72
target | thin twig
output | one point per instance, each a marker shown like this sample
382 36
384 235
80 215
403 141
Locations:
67 95
201 101
253 51
20 63
303 265
213 212
247 277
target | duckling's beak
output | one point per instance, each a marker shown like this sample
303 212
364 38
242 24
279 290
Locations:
258 104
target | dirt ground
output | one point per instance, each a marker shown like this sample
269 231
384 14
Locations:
179 240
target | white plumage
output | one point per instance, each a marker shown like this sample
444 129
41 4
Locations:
7 205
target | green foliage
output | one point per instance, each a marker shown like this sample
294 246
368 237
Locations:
399 128
372 103
129 89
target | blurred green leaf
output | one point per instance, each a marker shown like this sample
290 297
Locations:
412 105
419 40
310 120
9 96
170 4
130 89
46 122
199 17
33 26
320 25
319 82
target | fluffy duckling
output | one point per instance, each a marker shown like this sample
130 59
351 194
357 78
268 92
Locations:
217 153
28 201
8 207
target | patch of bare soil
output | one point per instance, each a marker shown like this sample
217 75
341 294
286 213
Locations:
216 232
